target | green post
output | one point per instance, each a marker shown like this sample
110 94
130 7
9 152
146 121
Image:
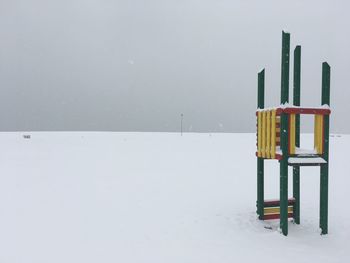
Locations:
284 134
260 161
326 74
285 68
296 102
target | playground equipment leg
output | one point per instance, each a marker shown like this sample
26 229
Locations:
284 179
324 199
324 167
260 201
296 102
284 134
296 194
260 161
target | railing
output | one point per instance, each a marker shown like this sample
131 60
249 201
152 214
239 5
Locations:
268 130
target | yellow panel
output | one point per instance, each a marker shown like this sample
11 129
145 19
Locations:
321 135
318 134
292 134
273 134
263 135
276 210
268 134
259 132
315 132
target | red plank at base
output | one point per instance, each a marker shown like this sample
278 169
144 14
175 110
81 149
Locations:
276 202
276 216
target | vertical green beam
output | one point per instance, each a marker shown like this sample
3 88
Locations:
296 102
326 76
284 134
285 68
260 161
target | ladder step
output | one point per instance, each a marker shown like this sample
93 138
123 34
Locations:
276 202
276 210
306 161
275 216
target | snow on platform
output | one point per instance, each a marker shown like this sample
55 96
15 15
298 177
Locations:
306 160
158 197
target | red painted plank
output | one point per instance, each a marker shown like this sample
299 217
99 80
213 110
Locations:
307 111
275 216
276 202
278 156
301 111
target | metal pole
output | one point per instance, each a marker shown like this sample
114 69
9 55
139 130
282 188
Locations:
284 134
260 161
326 76
296 102
182 116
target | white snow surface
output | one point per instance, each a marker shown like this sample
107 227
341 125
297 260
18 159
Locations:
158 197
301 160
305 152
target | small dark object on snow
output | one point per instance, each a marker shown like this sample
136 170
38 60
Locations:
268 227
26 136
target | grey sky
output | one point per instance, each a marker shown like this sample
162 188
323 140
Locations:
137 65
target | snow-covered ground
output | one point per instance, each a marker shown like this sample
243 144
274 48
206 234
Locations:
158 197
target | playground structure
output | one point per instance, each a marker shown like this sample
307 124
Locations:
278 138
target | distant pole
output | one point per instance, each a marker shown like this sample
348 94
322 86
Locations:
182 116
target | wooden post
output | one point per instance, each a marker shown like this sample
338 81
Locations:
326 74
260 161
296 102
284 134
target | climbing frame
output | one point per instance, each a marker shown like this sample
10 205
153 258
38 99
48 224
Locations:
278 138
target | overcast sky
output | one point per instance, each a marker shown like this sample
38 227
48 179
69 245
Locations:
137 65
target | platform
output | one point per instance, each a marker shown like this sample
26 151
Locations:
306 161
